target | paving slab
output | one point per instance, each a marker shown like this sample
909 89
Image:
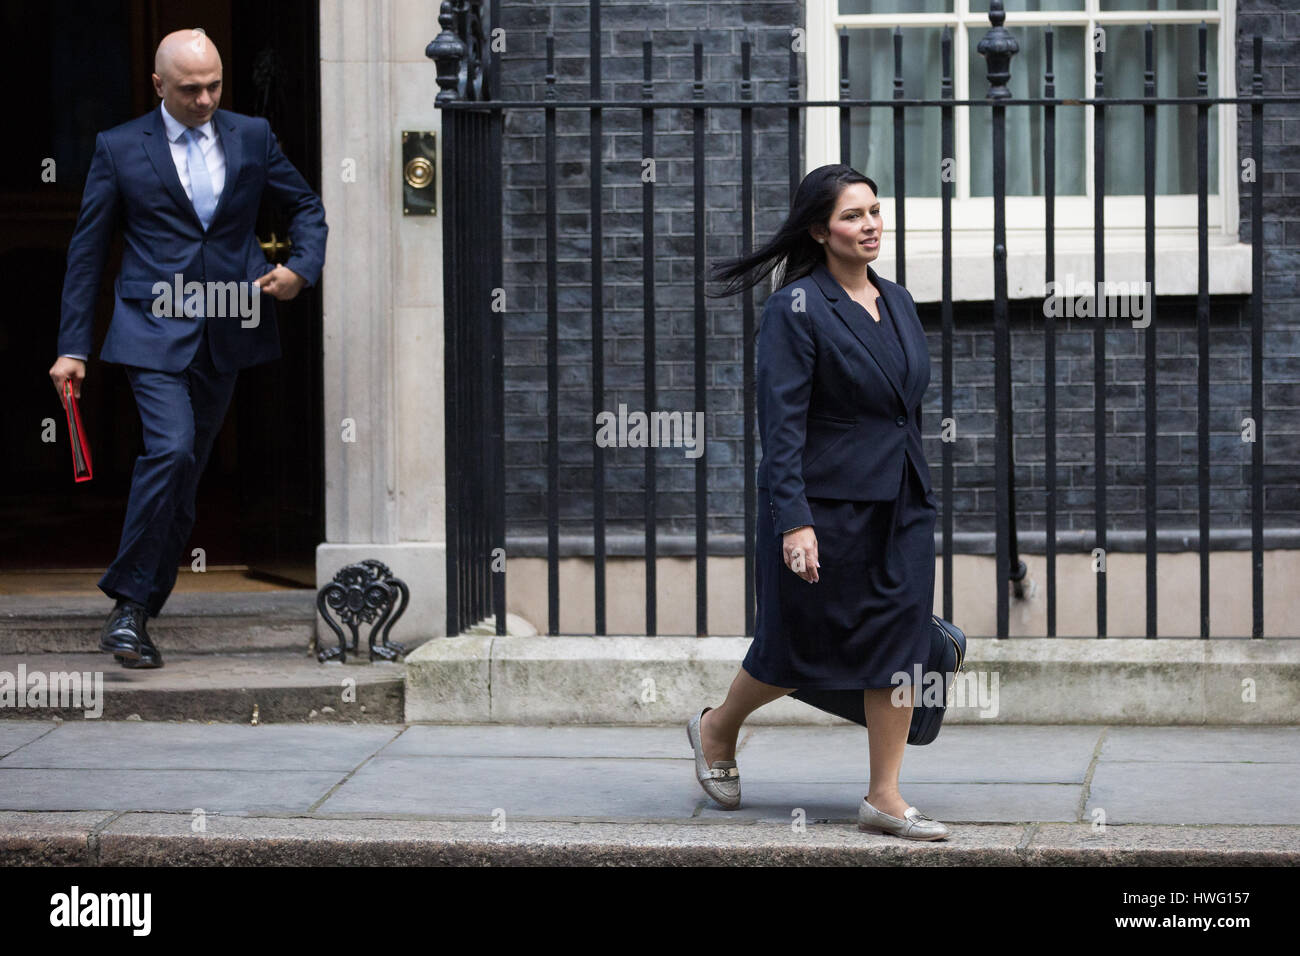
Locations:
994 753
244 791
125 791
19 733
1231 744
1196 793
550 788
775 802
137 745
502 740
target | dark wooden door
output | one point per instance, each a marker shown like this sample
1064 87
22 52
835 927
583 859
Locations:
261 501
278 406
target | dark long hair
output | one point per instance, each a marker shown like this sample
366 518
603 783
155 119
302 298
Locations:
797 252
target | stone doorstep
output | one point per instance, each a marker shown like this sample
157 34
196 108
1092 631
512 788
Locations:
655 680
645 681
165 839
217 622
192 634
284 687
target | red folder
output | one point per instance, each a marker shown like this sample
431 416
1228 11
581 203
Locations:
77 432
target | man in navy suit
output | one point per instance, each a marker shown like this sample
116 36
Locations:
192 306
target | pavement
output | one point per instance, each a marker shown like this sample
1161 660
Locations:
189 793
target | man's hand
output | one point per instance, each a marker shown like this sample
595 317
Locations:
281 282
799 549
63 370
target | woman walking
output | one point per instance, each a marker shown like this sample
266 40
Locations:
845 541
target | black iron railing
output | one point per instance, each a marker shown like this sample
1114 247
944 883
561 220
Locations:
472 121
473 400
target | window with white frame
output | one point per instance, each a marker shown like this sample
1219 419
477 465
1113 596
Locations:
1080 27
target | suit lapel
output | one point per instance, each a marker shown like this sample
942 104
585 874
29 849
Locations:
159 151
868 333
232 146
900 312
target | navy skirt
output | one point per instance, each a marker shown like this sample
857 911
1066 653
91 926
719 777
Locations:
867 619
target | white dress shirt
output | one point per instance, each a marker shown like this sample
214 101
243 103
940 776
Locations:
213 156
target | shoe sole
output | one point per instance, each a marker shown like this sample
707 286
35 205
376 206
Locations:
119 651
137 663
868 828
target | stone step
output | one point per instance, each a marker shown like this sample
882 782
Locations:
280 686
654 680
194 622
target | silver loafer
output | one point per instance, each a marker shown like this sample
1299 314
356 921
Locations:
915 825
722 780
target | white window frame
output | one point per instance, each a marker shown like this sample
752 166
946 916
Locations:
972 216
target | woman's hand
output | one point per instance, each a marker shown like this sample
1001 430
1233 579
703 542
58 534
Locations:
799 547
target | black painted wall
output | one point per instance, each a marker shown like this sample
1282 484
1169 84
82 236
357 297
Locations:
722 23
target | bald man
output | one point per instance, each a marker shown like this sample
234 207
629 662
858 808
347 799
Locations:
193 302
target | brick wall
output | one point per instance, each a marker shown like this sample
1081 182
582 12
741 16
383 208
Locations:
1278 22
673 27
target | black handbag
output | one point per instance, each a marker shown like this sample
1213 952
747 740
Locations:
947 656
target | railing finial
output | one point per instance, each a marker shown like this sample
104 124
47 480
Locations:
997 47
447 50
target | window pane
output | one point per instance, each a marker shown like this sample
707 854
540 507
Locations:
1032 6
1025 126
1176 57
895 6
871 76
1158 4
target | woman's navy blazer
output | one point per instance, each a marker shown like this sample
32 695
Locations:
834 420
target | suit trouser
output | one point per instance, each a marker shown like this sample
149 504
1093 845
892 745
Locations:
181 414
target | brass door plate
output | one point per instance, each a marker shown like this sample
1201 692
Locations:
419 173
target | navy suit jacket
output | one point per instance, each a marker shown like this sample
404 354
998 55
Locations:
133 183
833 422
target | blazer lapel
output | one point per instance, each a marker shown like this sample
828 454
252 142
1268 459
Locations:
159 151
901 312
871 340
232 146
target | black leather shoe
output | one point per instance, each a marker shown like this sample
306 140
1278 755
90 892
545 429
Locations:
123 630
150 657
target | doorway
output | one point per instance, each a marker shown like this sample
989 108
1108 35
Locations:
85 68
